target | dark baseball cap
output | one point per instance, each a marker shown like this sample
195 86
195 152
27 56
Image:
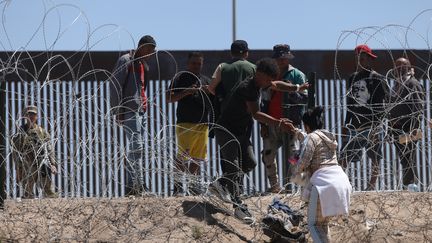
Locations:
239 46
147 39
282 51
30 109
364 49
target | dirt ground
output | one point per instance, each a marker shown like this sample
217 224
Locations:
375 217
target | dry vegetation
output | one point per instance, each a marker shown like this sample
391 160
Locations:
375 217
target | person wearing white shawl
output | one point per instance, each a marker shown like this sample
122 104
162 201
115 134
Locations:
328 190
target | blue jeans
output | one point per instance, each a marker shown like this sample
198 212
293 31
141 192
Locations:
134 126
318 224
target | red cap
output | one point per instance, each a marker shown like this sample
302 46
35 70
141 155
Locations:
364 48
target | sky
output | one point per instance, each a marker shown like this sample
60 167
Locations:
207 24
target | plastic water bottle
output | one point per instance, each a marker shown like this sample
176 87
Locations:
413 188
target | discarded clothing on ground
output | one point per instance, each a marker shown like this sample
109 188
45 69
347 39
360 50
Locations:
282 223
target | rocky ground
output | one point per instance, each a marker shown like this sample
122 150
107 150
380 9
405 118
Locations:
375 217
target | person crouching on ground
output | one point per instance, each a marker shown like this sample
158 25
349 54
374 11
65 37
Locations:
329 189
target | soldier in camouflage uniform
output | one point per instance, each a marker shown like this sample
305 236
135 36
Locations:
33 155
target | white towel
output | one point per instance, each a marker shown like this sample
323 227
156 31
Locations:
334 190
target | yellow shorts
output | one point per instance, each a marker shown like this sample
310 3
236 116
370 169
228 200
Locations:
192 139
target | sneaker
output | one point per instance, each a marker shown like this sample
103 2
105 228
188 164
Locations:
413 188
178 190
241 212
194 189
51 194
218 190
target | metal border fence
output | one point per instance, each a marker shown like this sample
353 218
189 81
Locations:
91 148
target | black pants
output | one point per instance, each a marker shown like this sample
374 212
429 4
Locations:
406 153
237 158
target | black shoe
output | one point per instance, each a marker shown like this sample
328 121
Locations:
241 212
195 190
288 189
178 189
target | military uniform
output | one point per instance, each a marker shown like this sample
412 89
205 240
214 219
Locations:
33 156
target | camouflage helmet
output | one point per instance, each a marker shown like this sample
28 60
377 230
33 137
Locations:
30 109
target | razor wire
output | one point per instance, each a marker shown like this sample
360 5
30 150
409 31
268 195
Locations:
87 141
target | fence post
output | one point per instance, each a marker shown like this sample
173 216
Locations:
311 90
2 141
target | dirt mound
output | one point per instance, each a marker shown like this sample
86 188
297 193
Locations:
375 217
